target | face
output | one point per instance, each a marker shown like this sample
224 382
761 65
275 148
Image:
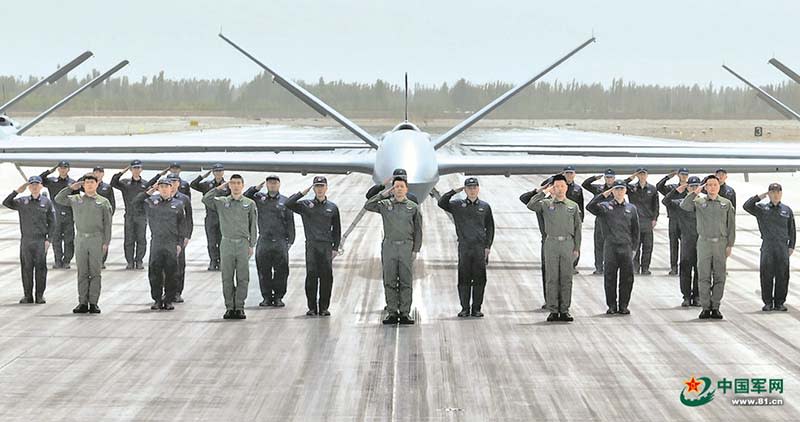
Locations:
90 186
400 189
682 178
610 180
472 192
218 174
721 176
642 176
176 170
136 171
273 185
63 172
712 186
165 190
570 176
236 185
619 194
320 190
175 185
560 189
775 196
98 174
35 188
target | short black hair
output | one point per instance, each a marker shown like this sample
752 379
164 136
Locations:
402 179
237 176
558 177
90 176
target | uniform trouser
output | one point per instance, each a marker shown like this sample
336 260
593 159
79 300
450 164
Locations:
33 260
135 242
272 261
89 259
397 274
180 271
774 272
319 274
674 243
64 240
558 263
544 273
598 246
688 268
234 261
711 261
161 270
618 273
471 275
213 237
644 250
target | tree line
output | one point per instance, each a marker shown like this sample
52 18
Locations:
261 97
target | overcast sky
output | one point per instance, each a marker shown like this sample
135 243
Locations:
665 42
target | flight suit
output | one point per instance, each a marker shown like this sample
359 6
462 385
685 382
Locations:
598 228
211 222
238 221
323 230
475 232
687 270
673 209
645 198
275 235
621 224
776 224
402 236
93 230
562 224
716 229
63 242
135 239
167 222
180 273
575 193
106 191
36 224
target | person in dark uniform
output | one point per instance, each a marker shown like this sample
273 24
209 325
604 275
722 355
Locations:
596 189
725 190
213 234
525 198
167 220
323 229
36 224
562 245
63 241
174 171
645 197
621 224
106 191
574 192
275 236
673 209
374 190
687 221
475 231
180 275
776 224
135 242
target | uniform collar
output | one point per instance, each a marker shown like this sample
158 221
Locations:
778 205
324 200
472 202
270 196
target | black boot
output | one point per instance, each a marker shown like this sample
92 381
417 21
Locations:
81 309
391 319
552 317
94 309
464 313
566 317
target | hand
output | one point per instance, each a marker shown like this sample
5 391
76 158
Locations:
762 196
185 243
22 188
654 223
165 171
681 188
576 253
76 185
47 246
486 253
105 248
222 186
305 192
791 251
206 174
457 190
700 188
414 256
334 253
55 167
260 185
672 174
151 190
250 251
126 169
728 251
548 189
178 247
607 192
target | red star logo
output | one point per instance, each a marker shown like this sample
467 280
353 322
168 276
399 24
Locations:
692 385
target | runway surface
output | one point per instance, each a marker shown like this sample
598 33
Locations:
133 364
